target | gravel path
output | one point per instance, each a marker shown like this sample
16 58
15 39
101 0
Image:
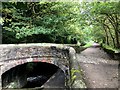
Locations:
99 70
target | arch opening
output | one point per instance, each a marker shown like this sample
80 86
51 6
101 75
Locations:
33 74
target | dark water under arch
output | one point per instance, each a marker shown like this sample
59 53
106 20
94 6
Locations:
33 74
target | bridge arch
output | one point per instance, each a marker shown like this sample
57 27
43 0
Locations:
29 75
14 55
13 63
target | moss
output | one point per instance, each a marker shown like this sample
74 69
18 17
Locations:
115 50
89 44
112 52
77 78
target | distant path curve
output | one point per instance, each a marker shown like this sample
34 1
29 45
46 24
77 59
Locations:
99 70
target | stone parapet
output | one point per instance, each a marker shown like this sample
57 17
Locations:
60 55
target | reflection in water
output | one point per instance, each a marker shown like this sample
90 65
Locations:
57 81
36 81
31 76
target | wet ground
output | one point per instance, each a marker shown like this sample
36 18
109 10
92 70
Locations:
100 71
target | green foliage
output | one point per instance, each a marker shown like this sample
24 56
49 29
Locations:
56 22
73 76
89 44
61 22
111 48
104 20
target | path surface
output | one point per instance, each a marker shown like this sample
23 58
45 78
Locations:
99 70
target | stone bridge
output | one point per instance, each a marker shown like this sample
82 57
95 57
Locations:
13 55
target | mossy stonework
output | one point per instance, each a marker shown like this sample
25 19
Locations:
60 55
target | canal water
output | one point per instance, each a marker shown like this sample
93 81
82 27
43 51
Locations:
41 77
57 81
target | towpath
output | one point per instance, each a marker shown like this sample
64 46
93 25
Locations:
99 70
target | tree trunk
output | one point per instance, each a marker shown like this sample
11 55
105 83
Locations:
114 22
107 40
113 40
117 38
116 32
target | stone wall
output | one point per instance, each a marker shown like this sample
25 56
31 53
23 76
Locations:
60 55
18 54
13 55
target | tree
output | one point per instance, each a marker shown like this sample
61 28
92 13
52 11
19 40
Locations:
56 22
105 16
